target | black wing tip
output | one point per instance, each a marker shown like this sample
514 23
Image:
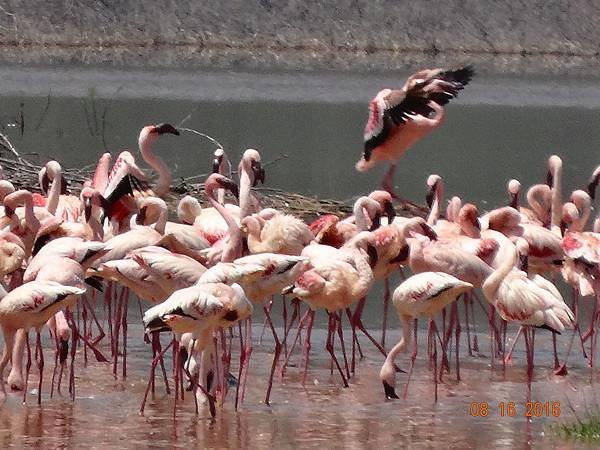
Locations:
549 328
95 282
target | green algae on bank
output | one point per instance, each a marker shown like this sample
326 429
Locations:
586 430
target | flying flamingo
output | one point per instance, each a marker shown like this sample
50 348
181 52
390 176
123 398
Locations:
400 118
30 306
426 293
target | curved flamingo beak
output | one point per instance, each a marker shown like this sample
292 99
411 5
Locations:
8 211
563 227
390 392
45 183
230 185
402 255
87 208
373 256
550 179
166 128
376 223
429 232
524 260
430 195
141 216
216 164
593 184
259 172
514 199
390 211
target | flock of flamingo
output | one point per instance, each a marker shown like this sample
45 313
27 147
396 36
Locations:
207 272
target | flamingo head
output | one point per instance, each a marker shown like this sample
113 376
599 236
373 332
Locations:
554 164
6 187
384 199
469 215
593 184
219 155
251 162
514 187
387 375
570 213
150 133
216 181
434 182
523 250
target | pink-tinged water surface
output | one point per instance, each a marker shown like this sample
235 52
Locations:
320 413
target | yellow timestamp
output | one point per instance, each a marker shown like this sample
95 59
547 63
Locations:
511 409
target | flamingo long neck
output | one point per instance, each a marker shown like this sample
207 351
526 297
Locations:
556 213
434 214
365 275
387 370
453 209
597 225
533 198
233 248
492 283
161 222
360 218
584 216
246 206
225 170
416 257
54 193
100 179
164 174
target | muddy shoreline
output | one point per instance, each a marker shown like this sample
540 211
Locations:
345 35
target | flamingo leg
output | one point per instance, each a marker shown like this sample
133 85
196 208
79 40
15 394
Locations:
9 341
457 330
264 326
241 368
434 331
306 350
329 346
247 357
508 357
413 357
301 324
466 303
40 363
275 356
155 361
386 304
124 325
84 315
342 344
27 366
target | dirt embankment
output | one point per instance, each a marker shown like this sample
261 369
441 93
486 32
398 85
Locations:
360 35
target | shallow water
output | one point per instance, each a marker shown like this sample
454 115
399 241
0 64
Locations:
498 129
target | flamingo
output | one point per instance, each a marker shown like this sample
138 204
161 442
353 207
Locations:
425 293
30 306
334 283
280 233
539 197
400 118
519 299
199 310
148 136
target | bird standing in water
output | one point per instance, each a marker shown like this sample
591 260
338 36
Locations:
399 118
